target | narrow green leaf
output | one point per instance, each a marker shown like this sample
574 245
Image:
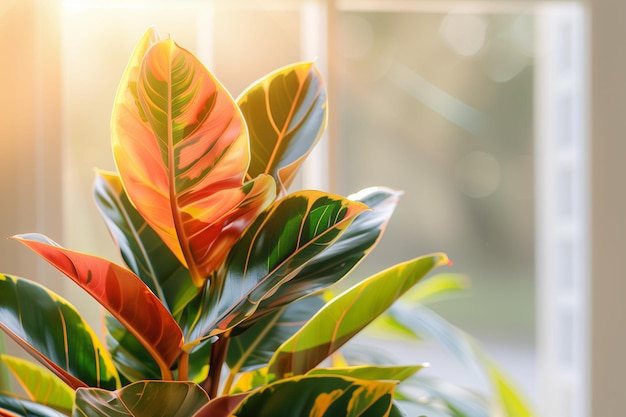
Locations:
41 385
122 293
345 254
141 247
439 286
16 407
426 323
371 373
271 252
54 333
286 114
347 314
320 396
142 399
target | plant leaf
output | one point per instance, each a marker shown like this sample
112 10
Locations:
141 247
121 292
345 254
346 315
181 147
371 373
439 286
273 249
286 113
319 396
16 407
425 322
41 385
132 360
54 333
256 345
140 399
222 406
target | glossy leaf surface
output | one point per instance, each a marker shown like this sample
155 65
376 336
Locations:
271 252
371 373
256 346
54 333
181 147
346 253
15 407
41 385
142 399
347 314
121 292
323 396
222 406
286 114
141 247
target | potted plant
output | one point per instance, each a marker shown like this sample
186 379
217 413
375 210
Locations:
222 305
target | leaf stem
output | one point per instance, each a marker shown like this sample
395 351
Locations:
216 363
183 367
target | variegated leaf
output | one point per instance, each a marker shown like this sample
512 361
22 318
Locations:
272 251
286 113
53 332
347 314
122 293
181 147
41 385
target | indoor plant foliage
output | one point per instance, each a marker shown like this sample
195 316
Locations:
218 309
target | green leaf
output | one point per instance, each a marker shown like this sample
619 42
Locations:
142 399
122 293
54 333
255 347
131 358
345 254
14 407
286 114
272 251
347 314
371 373
141 247
439 286
320 396
41 385
424 322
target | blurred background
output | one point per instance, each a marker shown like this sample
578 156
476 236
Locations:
475 109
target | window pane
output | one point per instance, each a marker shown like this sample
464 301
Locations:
440 106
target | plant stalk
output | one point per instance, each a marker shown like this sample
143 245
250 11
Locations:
216 363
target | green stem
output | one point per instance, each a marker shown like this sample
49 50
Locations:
216 363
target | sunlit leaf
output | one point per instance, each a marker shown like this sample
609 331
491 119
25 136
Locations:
319 396
371 373
53 332
439 286
271 252
345 254
286 114
121 292
41 385
141 399
141 247
181 147
347 314
16 407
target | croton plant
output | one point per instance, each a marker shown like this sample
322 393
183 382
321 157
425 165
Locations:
221 308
